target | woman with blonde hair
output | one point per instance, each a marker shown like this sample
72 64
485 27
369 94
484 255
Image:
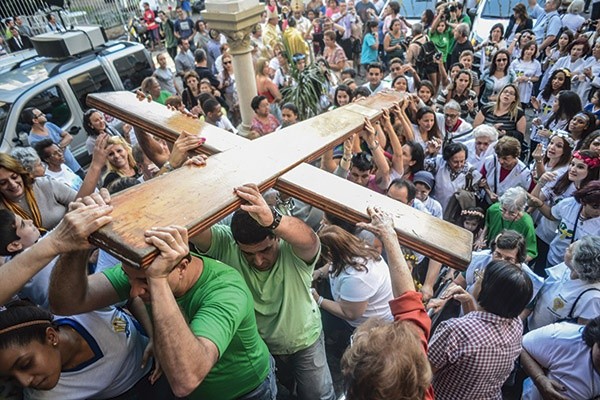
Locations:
266 87
505 114
119 161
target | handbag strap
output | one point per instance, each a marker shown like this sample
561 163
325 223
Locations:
570 315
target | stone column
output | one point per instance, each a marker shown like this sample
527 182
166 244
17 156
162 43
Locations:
235 19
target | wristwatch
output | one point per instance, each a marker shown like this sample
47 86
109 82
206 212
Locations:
276 219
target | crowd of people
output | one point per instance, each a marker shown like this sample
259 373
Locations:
499 138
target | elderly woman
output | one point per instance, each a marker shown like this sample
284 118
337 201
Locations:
263 122
572 289
509 213
151 87
42 200
119 161
504 170
30 160
482 145
450 171
358 276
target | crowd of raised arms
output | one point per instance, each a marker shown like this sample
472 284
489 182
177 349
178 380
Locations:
499 137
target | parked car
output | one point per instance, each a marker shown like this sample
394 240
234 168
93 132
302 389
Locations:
58 87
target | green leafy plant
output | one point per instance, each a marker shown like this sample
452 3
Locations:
306 88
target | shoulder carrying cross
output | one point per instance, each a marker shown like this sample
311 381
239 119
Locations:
199 197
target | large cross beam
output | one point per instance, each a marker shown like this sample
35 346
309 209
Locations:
199 197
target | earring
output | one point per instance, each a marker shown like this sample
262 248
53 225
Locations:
55 344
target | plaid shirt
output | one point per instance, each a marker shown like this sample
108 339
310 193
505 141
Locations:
474 355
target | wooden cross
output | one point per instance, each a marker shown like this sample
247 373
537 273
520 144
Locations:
199 197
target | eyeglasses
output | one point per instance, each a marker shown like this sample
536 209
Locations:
226 62
38 115
501 59
451 115
498 256
509 213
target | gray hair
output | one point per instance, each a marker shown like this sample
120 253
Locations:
27 156
514 199
463 29
586 258
487 131
576 7
452 105
417 28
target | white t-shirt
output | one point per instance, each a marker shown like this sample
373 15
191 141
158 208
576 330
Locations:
561 351
557 296
546 229
66 176
567 212
373 286
529 69
118 346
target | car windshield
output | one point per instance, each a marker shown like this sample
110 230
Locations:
499 8
412 9
4 113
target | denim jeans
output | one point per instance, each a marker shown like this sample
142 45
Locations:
310 371
267 390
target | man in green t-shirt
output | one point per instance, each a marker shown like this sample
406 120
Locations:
203 325
275 255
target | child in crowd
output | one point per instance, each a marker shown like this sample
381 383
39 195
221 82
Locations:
473 220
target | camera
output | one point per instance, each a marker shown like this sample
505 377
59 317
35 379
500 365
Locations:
438 56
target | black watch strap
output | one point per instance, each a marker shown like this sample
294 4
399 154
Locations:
276 219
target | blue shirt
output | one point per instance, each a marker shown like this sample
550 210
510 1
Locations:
368 54
547 25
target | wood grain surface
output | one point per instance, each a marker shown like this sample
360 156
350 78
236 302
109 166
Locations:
199 197
416 230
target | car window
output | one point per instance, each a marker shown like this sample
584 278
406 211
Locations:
414 8
94 80
132 69
502 8
53 103
4 113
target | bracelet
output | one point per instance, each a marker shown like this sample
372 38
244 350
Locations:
320 301
375 146
168 167
346 158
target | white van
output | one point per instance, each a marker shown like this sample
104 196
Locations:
58 88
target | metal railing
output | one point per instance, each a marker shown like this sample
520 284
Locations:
110 14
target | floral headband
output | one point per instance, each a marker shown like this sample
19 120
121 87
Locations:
566 136
472 213
566 71
591 162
